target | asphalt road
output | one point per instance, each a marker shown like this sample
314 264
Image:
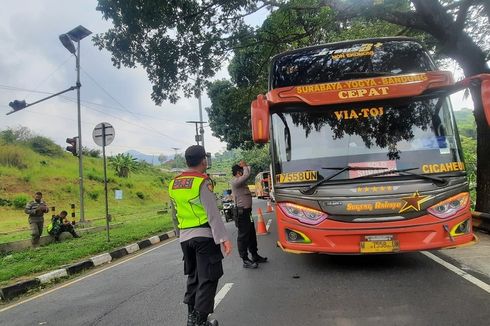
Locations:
147 289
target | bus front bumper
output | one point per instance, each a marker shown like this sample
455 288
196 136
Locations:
333 237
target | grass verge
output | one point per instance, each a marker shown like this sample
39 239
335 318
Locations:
31 262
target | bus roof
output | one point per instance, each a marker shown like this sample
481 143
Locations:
348 42
343 60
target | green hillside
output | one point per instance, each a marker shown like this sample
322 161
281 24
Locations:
466 123
27 166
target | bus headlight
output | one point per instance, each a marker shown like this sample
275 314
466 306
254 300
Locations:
303 214
450 206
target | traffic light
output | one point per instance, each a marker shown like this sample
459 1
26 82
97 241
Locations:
208 156
73 148
18 105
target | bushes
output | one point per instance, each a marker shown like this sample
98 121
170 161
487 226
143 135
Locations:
95 177
140 195
98 178
20 201
5 202
94 195
45 146
11 156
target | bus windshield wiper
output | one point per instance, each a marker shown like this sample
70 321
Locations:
407 172
312 188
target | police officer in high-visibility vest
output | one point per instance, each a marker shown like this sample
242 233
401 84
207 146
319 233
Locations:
202 235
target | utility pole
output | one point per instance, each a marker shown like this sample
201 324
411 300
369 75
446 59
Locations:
175 149
200 119
199 137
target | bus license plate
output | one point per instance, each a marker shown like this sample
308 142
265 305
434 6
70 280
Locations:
375 244
303 176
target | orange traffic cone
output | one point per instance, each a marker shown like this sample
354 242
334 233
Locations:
261 229
269 207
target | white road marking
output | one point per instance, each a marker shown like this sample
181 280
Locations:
470 278
87 276
268 224
221 294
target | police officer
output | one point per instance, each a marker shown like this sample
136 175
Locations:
202 234
36 210
247 238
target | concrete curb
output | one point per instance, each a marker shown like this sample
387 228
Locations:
12 291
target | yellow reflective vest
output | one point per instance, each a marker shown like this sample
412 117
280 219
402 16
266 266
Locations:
184 192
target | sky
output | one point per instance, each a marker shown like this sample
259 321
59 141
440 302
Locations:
34 63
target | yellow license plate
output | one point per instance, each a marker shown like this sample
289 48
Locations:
303 176
379 246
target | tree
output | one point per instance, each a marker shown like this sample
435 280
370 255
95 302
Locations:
20 134
91 152
173 40
283 30
162 158
123 164
45 146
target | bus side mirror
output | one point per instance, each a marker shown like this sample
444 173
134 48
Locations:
485 98
260 119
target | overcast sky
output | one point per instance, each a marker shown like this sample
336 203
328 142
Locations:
33 60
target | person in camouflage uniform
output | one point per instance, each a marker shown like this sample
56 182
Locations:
36 210
60 224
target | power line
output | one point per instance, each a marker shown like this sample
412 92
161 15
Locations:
13 88
102 112
122 106
53 72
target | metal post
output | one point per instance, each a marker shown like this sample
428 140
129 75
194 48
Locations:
105 181
80 156
197 135
200 119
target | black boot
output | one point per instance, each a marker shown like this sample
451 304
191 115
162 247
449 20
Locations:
191 318
247 263
258 259
202 320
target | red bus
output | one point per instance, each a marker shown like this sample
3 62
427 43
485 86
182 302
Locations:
365 152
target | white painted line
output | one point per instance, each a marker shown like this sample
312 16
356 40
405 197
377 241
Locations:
268 224
470 278
221 294
87 276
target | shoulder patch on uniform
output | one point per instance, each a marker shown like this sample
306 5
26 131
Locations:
183 183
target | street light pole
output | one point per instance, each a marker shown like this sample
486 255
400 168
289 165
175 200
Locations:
67 39
80 154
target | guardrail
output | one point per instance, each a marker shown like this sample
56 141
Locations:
481 220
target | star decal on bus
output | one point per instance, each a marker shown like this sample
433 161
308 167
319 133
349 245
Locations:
413 202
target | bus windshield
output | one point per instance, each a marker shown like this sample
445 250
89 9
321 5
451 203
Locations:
417 134
352 60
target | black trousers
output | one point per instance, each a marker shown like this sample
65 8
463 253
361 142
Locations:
203 267
247 238
65 228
